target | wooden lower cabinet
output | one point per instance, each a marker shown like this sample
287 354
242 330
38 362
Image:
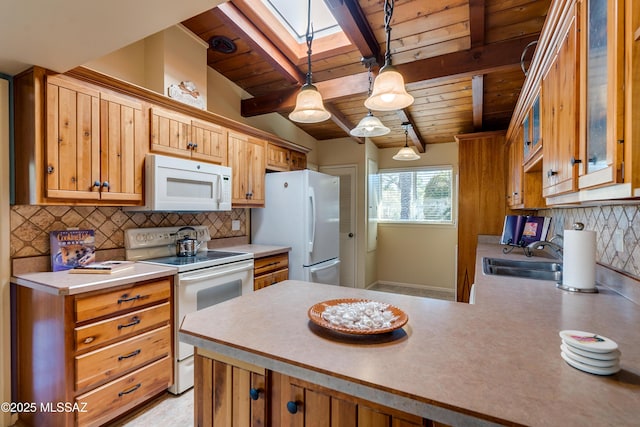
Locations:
86 359
233 393
270 270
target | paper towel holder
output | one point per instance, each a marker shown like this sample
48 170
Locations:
578 226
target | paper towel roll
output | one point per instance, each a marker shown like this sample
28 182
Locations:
579 259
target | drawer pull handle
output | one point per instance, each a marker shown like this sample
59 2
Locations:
272 263
131 390
88 340
126 298
132 354
135 321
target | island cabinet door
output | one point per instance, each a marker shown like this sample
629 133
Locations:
227 395
298 403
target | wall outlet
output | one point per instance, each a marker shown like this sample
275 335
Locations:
235 225
618 240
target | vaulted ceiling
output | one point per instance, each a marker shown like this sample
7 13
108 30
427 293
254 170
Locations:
461 60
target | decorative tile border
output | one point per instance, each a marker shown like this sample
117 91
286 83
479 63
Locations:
605 220
30 225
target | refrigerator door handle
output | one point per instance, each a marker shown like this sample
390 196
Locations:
312 203
324 267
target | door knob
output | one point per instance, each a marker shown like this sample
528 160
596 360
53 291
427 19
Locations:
350 234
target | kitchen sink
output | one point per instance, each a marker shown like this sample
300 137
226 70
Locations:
540 270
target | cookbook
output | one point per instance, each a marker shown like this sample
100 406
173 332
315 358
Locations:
521 230
72 248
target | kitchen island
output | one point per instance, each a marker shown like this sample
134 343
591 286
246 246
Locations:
495 362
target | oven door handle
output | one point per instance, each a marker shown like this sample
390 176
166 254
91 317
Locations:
214 274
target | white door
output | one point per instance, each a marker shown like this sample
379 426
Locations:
348 240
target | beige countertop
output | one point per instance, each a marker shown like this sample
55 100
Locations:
497 361
65 283
258 251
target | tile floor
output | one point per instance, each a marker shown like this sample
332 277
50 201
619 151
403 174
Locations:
177 411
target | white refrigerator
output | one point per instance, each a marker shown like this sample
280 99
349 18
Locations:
302 211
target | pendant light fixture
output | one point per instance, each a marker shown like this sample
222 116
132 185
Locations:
406 153
309 106
389 93
369 125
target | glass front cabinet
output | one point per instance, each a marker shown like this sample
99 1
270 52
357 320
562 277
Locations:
601 159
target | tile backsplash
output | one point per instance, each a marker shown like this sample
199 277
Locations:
605 220
30 225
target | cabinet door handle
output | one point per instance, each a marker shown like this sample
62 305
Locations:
551 173
127 356
50 169
254 393
105 184
131 390
528 142
575 161
127 298
292 407
190 145
134 321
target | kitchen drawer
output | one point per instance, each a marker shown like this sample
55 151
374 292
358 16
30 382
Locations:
120 327
270 279
115 398
109 362
270 263
108 303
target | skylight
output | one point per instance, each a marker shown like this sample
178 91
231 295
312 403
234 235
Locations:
293 15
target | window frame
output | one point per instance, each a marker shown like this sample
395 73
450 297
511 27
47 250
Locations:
453 197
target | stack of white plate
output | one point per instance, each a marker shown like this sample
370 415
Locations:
590 352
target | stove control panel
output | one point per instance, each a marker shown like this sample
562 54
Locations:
138 238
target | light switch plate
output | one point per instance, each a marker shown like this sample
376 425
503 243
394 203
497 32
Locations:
618 240
235 225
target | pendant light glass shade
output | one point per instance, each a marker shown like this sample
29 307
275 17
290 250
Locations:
309 106
406 153
388 93
370 126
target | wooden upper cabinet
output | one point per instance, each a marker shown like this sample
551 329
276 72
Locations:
278 158
560 101
246 157
514 183
91 148
282 159
209 142
123 133
177 134
298 160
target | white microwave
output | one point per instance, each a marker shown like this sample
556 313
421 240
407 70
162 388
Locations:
174 184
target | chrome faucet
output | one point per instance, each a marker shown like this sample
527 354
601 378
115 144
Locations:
554 248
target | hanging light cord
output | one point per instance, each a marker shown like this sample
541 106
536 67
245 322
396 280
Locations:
309 41
388 13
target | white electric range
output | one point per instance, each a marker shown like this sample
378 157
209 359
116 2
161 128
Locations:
207 278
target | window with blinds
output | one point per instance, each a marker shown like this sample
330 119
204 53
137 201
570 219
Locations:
414 195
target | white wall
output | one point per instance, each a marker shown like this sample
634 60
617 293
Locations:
422 255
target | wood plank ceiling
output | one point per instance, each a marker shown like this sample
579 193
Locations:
461 61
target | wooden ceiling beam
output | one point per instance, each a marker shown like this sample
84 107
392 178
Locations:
238 22
342 121
354 24
476 22
412 129
485 59
477 98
